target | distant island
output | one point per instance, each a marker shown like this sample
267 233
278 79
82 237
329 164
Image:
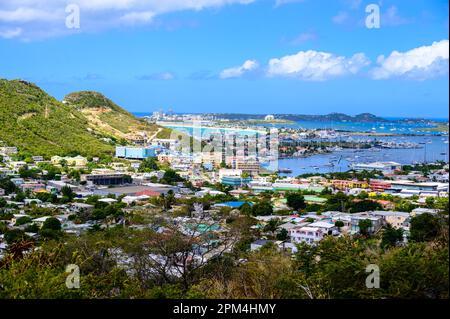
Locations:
332 117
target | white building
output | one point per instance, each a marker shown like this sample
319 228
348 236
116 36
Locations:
312 233
395 219
385 167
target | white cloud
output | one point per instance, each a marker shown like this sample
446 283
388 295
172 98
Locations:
304 37
21 15
283 2
137 17
239 71
354 4
419 64
392 18
341 17
162 76
10 33
316 66
39 19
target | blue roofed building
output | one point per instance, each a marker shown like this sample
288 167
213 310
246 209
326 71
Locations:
235 204
137 152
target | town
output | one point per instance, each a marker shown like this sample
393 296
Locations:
224 158
216 202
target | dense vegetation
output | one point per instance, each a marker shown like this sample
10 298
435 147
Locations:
121 261
39 124
87 123
336 268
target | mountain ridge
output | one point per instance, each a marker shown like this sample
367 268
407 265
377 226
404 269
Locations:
85 123
39 124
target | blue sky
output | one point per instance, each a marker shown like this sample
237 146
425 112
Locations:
243 56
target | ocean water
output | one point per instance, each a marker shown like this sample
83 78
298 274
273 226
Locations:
376 127
436 148
395 127
433 145
205 131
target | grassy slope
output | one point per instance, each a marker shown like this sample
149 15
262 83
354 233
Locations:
39 124
106 116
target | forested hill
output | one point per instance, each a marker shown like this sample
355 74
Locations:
39 124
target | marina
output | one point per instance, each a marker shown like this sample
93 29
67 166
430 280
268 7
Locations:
341 160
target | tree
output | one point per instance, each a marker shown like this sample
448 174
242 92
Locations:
424 227
168 200
337 202
246 209
23 220
8 186
2 202
52 223
63 163
3 227
430 202
405 206
14 236
271 226
75 174
263 208
149 164
339 224
68 193
391 236
364 206
296 201
442 204
282 234
364 226
51 229
171 177
363 195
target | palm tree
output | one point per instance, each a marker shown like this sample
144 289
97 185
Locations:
272 226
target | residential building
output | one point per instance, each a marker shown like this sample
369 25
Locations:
77 161
377 222
250 167
308 234
395 219
379 186
347 184
419 211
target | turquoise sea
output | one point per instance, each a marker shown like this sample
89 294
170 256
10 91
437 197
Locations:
433 145
376 127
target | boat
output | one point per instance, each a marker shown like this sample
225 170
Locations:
285 170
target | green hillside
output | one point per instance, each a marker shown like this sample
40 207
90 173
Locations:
39 124
107 117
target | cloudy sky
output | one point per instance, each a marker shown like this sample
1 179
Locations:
252 56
